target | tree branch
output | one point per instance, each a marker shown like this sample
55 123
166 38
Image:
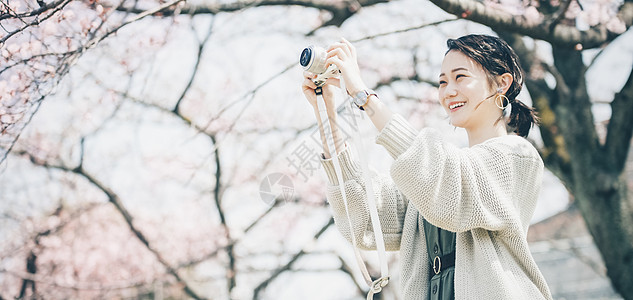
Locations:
232 242
340 10
561 35
32 13
217 193
415 76
288 265
371 37
165 6
560 14
34 57
17 136
195 68
57 7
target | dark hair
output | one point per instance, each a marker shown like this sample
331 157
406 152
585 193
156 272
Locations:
497 57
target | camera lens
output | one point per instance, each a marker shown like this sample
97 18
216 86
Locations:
305 57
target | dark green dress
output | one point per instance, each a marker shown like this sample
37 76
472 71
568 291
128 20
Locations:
440 242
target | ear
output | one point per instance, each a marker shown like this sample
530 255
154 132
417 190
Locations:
505 81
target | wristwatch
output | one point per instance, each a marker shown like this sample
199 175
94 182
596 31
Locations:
362 97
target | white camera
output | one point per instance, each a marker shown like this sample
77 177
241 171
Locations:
313 60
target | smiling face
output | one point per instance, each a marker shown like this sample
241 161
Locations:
465 92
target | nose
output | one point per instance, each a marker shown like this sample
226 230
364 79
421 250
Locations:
448 92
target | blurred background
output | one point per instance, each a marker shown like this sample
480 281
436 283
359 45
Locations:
164 150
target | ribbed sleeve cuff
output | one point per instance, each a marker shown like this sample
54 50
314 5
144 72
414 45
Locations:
349 166
397 136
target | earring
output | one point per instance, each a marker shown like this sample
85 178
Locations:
500 100
501 97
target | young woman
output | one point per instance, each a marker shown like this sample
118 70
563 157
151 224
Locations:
458 216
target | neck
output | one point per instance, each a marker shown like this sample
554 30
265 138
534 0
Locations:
481 134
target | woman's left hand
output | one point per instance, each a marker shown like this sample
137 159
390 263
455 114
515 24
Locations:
343 55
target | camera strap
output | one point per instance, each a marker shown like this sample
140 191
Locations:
375 286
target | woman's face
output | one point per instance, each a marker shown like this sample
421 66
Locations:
463 87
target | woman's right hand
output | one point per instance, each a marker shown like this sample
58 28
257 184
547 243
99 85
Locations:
308 87
328 89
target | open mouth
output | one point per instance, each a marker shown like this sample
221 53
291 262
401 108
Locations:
456 105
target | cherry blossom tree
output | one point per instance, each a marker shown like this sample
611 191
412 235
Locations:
126 129
139 137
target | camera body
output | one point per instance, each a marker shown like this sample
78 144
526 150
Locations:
313 60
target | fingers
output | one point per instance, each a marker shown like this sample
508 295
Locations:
307 87
350 47
340 49
309 75
338 52
344 45
336 61
308 83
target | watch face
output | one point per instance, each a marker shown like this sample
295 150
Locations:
361 98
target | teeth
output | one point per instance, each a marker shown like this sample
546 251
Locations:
457 105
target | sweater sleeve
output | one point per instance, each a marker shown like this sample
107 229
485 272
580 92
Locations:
492 185
389 201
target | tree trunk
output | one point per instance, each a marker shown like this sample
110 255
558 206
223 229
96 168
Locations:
598 184
609 218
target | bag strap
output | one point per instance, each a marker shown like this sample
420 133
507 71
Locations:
375 286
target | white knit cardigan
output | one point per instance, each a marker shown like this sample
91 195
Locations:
485 193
